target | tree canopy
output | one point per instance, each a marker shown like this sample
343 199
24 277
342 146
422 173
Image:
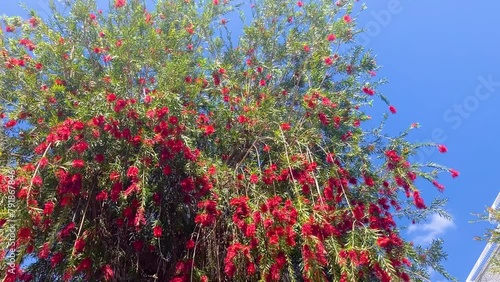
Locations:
203 141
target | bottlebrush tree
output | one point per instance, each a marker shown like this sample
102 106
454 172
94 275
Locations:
156 145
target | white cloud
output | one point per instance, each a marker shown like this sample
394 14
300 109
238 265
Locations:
425 233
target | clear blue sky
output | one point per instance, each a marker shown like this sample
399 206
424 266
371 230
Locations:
439 57
442 59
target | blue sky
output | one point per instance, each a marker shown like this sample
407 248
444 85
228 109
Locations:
442 61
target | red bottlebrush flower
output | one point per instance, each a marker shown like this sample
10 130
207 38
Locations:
133 187
101 196
190 244
24 234
384 241
10 123
242 119
331 37
167 170
78 125
84 265
324 119
328 61
285 126
157 231
132 172
148 99
204 278
173 120
454 173
251 268
250 230
33 22
120 3
330 158
114 176
59 81
300 4
254 178
267 148
111 97
438 185
419 202
44 251
107 272
187 185
79 245
78 163
204 219
66 231
359 211
347 19
48 208
369 181
442 148
215 2
262 82
212 170
38 66
392 109
209 130
56 259
80 147
368 91
307 49
119 105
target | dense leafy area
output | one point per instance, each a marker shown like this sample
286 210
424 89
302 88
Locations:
202 141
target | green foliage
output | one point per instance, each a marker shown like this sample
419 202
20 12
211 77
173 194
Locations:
173 145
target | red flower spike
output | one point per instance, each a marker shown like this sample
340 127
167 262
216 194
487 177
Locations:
392 109
11 123
120 3
132 172
190 244
368 91
78 163
439 186
328 61
285 126
442 149
79 245
157 231
419 202
108 272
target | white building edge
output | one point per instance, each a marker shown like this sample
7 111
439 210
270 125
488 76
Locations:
481 272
